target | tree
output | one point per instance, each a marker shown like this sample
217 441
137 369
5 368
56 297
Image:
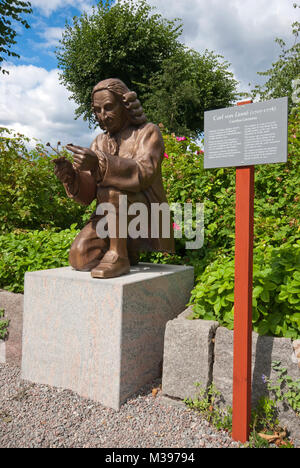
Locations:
121 41
189 84
132 42
11 10
283 72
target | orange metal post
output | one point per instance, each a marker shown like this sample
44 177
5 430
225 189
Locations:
242 344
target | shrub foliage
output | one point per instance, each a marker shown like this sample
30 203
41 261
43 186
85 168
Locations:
35 216
31 197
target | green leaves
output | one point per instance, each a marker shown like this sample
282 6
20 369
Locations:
31 251
279 78
4 324
188 84
11 11
131 41
207 402
285 388
276 291
124 40
276 275
31 197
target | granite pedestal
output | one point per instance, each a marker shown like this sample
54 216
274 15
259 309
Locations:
102 338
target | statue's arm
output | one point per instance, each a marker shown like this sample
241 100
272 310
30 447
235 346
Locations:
100 169
84 185
83 189
136 174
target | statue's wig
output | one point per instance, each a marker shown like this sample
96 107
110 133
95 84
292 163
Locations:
127 98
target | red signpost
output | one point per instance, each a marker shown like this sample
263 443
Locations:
259 138
242 339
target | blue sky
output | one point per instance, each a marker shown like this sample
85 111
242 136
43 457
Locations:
38 42
36 45
34 102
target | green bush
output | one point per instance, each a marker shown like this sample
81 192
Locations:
31 196
4 324
30 251
276 287
186 181
276 291
277 193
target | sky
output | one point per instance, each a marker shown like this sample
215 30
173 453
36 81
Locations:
35 103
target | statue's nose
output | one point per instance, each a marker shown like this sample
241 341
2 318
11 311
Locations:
103 115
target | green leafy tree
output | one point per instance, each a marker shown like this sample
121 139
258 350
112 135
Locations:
10 11
284 71
130 41
123 41
189 84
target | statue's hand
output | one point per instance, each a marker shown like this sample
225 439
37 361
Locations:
84 158
64 170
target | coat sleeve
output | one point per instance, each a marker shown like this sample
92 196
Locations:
84 189
136 172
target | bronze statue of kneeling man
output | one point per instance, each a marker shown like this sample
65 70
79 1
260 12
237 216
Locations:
123 160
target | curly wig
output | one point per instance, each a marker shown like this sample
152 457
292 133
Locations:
127 98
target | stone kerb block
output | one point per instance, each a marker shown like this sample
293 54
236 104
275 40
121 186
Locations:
265 350
188 355
296 346
202 351
100 338
2 352
11 348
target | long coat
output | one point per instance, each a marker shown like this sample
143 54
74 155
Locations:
133 166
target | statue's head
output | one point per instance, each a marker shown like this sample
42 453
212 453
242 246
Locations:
114 105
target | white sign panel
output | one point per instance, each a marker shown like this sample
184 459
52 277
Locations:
246 135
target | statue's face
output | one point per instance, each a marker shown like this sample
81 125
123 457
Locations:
109 112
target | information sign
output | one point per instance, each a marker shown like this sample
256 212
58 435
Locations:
250 135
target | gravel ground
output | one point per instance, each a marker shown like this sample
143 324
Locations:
40 416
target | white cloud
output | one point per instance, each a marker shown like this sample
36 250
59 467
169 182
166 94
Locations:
48 7
243 31
51 36
33 102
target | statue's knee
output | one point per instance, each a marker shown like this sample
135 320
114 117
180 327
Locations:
77 255
85 254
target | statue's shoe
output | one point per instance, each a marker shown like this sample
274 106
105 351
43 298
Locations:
111 266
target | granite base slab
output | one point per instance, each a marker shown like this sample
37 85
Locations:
102 338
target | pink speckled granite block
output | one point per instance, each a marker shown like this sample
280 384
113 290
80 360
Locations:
100 338
2 352
11 348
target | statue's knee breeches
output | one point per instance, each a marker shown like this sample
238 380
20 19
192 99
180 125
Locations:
87 249
109 195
